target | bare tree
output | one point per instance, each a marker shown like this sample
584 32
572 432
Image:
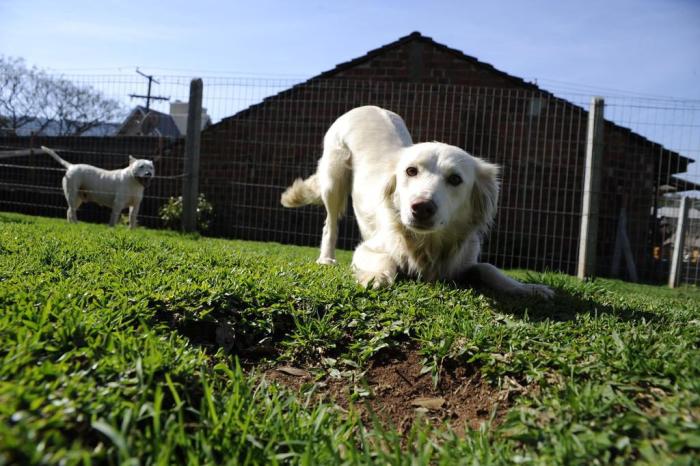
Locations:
32 98
21 96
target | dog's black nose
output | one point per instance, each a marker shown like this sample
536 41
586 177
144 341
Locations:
423 209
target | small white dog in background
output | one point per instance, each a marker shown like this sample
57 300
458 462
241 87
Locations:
421 208
117 189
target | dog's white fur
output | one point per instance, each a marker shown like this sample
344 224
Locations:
421 208
117 189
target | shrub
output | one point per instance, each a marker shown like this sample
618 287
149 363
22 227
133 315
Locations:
171 213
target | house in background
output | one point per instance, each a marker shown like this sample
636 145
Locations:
539 140
179 110
148 122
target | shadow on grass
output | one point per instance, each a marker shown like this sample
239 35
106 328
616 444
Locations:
566 306
226 327
568 302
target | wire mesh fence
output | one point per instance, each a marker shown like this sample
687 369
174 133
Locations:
689 257
670 130
267 132
690 271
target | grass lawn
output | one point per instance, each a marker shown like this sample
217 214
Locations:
149 347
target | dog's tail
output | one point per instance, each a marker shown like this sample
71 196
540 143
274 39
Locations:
56 157
302 192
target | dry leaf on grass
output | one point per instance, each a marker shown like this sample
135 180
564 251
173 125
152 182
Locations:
429 403
293 371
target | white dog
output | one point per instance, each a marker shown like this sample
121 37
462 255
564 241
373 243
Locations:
117 189
421 208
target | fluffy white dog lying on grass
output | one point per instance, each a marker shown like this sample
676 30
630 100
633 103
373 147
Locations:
421 208
117 189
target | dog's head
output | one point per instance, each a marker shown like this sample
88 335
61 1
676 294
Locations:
439 187
142 169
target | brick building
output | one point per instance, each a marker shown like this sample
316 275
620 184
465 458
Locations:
444 95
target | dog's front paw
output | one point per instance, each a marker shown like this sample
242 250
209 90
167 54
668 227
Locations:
326 261
542 291
375 280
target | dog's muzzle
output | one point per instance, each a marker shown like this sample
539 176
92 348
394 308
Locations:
423 214
144 180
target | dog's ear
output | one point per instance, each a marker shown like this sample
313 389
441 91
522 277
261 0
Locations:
132 159
390 187
485 193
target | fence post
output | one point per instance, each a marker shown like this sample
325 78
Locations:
678 244
190 187
591 190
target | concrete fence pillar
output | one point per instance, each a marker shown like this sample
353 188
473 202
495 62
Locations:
679 244
190 187
591 191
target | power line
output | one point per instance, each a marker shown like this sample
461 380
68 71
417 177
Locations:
567 86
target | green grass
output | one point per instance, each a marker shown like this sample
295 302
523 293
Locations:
103 358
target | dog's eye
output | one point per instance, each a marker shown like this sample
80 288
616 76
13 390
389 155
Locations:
454 180
411 171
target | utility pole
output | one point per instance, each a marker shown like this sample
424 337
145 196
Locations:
148 95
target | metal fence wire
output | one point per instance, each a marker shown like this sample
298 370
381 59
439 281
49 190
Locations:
268 132
689 257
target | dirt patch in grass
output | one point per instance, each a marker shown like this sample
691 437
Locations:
394 390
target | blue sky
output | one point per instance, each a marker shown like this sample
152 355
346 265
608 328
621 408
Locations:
641 46
604 47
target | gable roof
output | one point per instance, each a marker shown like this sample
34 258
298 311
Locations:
414 37
417 37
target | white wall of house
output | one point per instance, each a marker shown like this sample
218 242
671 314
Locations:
178 110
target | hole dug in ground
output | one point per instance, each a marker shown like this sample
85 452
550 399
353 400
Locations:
398 394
